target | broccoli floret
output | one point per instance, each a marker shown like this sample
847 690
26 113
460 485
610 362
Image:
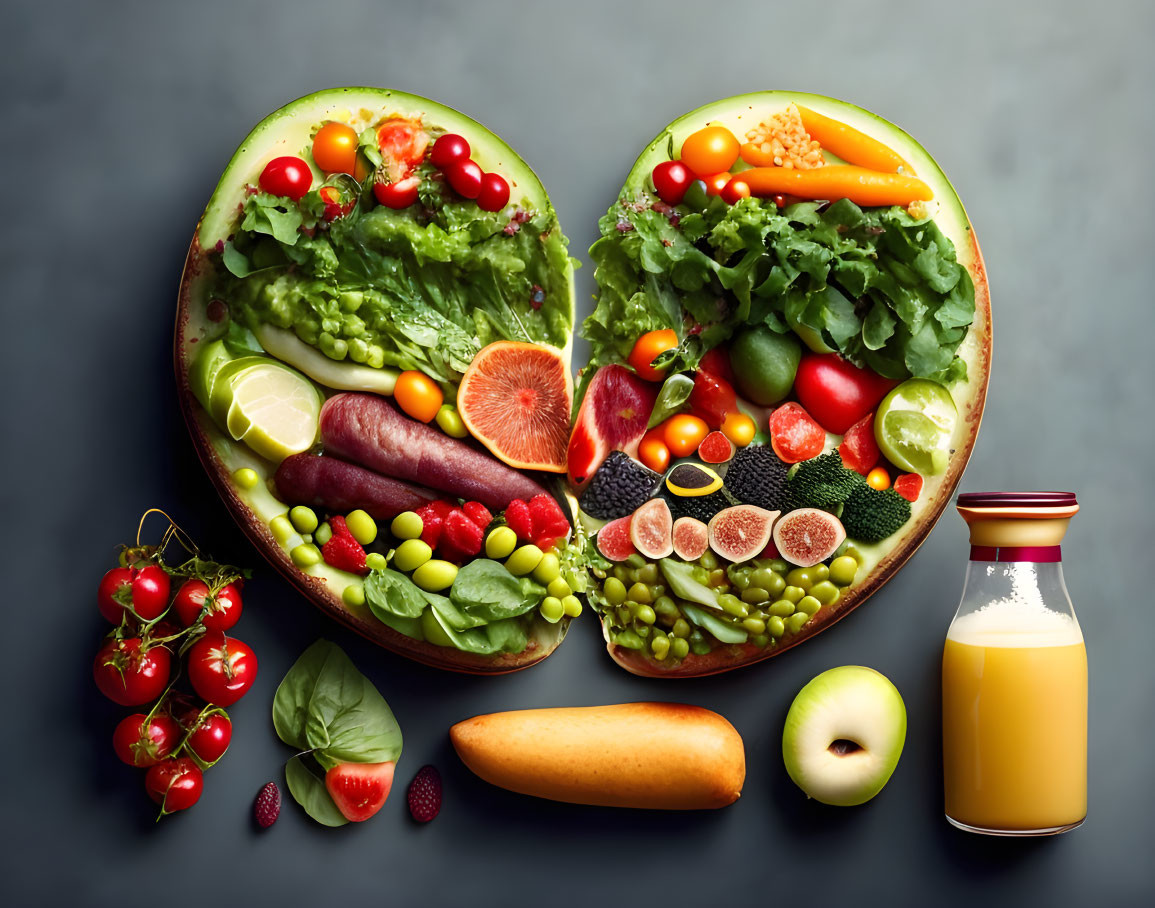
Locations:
870 515
824 482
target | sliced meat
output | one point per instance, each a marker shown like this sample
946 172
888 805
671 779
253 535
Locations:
334 485
368 430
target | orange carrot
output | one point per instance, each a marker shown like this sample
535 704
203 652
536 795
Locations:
753 155
860 185
852 146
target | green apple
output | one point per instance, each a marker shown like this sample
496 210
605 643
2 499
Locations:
844 734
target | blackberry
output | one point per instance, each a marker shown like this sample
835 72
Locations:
620 486
756 476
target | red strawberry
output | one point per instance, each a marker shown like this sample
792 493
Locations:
268 806
461 538
478 513
546 543
433 519
548 519
342 551
909 486
518 518
425 794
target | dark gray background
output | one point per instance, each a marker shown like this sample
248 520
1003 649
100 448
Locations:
118 119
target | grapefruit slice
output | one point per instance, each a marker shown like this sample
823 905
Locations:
515 399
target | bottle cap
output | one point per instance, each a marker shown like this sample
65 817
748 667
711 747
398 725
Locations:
1018 519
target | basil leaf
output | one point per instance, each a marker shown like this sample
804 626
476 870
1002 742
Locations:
680 577
310 792
506 636
395 594
675 392
485 590
726 633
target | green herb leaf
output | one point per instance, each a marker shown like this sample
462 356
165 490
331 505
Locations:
675 392
310 792
725 633
485 590
394 593
680 577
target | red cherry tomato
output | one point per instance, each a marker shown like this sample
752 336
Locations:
221 669
671 179
143 590
647 348
716 183
128 674
334 206
397 195
141 741
286 176
794 435
859 450
447 149
224 609
465 177
735 190
494 194
210 738
710 150
712 398
402 142
174 784
335 148
837 393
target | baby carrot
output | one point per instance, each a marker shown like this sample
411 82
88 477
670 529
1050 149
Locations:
860 185
852 146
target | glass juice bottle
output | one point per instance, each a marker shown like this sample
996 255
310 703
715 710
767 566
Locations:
1014 674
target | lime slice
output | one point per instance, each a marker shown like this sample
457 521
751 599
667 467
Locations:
220 393
914 425
274 410
210 359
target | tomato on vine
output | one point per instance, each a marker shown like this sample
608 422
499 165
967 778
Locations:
221 610
175 784
221 669
143 591
130 672
141 740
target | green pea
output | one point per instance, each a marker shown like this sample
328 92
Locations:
754 625
435 575
755 594
642 630
500 543
625 613
572 606
855 554
449 420
665 606
777 585
246 478
783 608
376 356
808 605
740 579
681 628
629 640
353 595
779 566
763 577
411 554
639 592
282 529
819 572
645 614
732 605
776 626
842 570
648 573
796 621
375 561
305 555
680 648
559 588
358 350
523 560
660 646
636 561
793 593
362 526
700 574
552 609
547 570
825 592
760 640
614 591
708 560
599 573
622 573
407 525
351 300
800 577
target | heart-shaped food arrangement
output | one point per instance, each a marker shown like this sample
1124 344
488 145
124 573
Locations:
372 353
789 359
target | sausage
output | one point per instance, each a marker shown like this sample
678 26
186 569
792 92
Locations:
368 430
333 485
664 756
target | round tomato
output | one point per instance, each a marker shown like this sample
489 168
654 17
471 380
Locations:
647 348
141 741
221 611
671 180
653 451
221 669
447 149
710 150
494 194
683 433
335 148
210 737
174 784
128 673
716 183
400 194
712 398
418 395
735 190
836 392
465 177
144 591
402 142
286 176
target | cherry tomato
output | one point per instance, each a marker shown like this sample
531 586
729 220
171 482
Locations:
494 194
402 142
334 206
418 395
683 433
878 478
224 609
652 451
716 183
735 190
128 674
710 150
141 590
646 350
210 738
465 177
335 148
739 428
794 435
447 149
671 179
837 392
174 784
286 176
221 669
141 741
712 398
397 195
859 449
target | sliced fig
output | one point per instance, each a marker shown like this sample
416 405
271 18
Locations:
691 538
741 532
614 539
651 529
613 417
808 536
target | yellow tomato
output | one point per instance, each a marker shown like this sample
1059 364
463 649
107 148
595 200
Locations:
683 433
710 150
739 428
649 346
653 451
335 148
878 478
418 395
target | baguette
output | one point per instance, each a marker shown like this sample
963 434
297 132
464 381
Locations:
660 756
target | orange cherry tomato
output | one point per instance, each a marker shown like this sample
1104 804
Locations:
335 148
710 150
716 183
683 433
418 395
654 454
878 478
739 428
735 190
647 348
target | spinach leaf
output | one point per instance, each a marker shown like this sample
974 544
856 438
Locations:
395 594
680 577
309 791
485 590
507 636
726 633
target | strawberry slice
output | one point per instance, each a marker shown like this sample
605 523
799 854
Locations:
518 518
478 513
433 519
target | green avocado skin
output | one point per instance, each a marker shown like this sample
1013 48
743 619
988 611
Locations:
764 364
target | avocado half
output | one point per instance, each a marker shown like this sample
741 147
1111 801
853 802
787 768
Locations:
288 131
741 113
